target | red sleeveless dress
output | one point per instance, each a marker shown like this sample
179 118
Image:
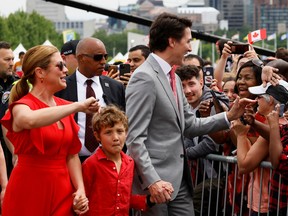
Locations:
40 183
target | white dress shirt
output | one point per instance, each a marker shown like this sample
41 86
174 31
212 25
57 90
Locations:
81 92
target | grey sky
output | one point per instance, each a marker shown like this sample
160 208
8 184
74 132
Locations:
10 6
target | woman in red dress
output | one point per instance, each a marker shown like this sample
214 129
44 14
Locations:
47 180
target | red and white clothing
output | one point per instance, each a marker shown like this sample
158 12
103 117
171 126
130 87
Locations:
108 192
40 183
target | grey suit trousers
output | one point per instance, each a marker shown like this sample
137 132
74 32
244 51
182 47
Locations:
182 205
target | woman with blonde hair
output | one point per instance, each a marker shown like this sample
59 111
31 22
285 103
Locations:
47 179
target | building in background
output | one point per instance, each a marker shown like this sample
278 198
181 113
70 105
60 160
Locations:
207 15
56 13
255 14
50 11
271 15
204 18
233 11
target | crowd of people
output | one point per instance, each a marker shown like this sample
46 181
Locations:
78 140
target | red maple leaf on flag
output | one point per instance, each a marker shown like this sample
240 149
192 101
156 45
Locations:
255 34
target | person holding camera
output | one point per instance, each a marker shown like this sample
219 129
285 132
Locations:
136 56
237 51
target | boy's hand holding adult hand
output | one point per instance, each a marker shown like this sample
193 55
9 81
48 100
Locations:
80 203
161 191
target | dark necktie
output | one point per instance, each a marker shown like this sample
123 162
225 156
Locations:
90 141
173 84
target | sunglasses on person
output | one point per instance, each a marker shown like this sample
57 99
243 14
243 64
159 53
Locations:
97 57
61 65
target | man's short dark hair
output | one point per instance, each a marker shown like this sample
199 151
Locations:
165 26
187 72
21 53
4 45
144 50
193 56
282 53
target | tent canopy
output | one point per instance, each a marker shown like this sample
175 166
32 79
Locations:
119 57
17 50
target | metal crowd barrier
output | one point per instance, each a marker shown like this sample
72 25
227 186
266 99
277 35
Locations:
211 196
214 193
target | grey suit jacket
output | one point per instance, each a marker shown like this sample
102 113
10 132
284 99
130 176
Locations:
157 127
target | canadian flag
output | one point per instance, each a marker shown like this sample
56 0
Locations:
257 35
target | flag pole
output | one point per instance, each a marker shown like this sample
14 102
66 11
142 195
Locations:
200 46
275 42
213 53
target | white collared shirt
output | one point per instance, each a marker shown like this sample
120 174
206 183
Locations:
164 65
167 68
81 92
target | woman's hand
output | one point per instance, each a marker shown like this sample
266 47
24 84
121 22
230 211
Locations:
269 74
80 203
249 115
90 105
251 54
226 52
238 128
273 117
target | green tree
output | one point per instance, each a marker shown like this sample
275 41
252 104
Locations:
31 30
114 43
5 33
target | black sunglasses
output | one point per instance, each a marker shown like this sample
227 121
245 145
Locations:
61 65
97 57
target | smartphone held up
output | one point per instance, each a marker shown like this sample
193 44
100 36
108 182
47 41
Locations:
208 75
124 68
111 68
239 48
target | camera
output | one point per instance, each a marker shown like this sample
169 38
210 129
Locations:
239 48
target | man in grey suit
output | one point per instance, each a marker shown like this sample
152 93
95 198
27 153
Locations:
159 120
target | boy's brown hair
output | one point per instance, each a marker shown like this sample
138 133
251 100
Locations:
108 117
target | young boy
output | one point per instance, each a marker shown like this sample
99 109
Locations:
108 173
